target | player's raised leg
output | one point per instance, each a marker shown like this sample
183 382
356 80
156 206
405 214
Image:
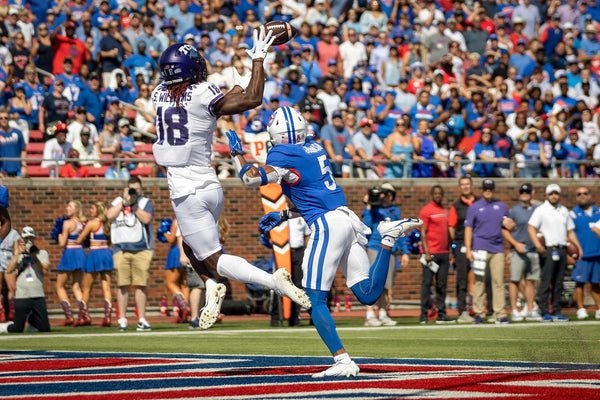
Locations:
369 290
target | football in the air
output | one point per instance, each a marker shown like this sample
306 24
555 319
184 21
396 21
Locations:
283 31
542 239
572 250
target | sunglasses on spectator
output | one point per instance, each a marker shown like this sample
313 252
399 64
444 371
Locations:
3 117
524 191
583 193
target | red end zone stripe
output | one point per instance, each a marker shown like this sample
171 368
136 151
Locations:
63 364
453 387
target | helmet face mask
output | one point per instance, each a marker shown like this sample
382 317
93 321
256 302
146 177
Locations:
181 63
287 125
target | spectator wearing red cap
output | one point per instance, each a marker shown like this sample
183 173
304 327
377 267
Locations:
67 46
366 144
57 148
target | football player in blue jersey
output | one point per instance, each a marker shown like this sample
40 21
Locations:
338 236
187 108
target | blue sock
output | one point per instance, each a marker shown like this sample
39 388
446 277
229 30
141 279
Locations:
369 290
322 319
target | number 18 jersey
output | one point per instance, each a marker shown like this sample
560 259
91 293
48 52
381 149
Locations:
184 137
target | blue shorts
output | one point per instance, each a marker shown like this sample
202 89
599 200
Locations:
99 260
587 270
72 260
173 258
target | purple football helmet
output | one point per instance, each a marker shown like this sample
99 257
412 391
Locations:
180 63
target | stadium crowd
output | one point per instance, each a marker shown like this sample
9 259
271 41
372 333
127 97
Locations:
514 85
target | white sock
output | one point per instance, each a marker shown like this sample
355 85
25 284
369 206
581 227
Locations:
388 241
143 320
238 269
382 313
343 358
370 314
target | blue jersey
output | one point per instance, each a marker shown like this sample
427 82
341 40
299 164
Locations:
315 192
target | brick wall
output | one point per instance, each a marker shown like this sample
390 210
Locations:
38 202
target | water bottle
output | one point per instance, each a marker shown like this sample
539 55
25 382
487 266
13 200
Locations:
163 306
348 303
336 302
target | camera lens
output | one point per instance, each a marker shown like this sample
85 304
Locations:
132 192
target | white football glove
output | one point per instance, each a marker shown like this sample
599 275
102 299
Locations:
261 44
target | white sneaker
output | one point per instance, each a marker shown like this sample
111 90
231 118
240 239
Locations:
582 313
285 287
515 316
533 316
4 326
597 314
372 322
212 309
387 321
524 311
143 326
465 318
396 229
339 369
122 324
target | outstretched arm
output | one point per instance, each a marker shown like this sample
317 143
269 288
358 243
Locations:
237 101
251 175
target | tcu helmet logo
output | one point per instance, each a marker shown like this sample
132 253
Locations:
186 49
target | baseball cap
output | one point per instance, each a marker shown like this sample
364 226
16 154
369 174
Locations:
569 36
568 25
27 232
336 114
85 130
3 197
556 16
441 127
274 98
331 62
71 24
415 40
50 11
521 41
493 36
551 188
518 20
404 79
123 122
243 45
13 11
526 188
573 132
365 122
488 184
518 78
167 24
189 36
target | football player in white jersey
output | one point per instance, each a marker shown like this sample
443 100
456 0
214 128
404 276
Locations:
337 237
187 108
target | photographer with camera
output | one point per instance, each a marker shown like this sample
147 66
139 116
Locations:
30 263
133 244
379 206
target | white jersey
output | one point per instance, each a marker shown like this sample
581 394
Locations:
184 137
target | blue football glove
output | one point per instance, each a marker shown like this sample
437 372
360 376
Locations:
269 221
235 145
265 241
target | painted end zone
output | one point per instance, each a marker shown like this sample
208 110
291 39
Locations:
78 375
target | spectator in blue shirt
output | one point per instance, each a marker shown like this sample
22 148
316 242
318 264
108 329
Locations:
485 150
12 144
569 151
336 140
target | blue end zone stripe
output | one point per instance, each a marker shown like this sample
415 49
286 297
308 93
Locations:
321 260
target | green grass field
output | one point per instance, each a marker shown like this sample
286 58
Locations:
539 342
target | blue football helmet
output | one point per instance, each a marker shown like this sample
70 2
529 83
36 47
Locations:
287 125
181 63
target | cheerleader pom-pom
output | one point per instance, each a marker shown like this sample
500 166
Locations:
164 229
58 226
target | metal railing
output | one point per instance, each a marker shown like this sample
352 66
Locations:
555 165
